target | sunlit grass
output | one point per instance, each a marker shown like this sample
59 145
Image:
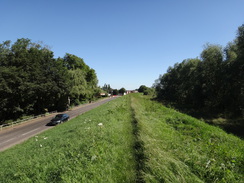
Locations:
180 148
94 147
130 139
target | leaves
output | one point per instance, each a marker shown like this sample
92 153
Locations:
212 84
31 80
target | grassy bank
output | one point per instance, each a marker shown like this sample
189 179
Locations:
179 148
130 139
234 126
94 147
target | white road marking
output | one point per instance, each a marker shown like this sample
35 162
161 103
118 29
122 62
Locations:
7 140
29 132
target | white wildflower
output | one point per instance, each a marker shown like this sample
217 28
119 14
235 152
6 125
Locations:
208 163
93 157
222 165
100 124
40 145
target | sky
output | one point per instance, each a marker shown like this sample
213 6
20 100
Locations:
128 43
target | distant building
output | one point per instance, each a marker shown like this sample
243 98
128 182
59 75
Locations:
105 94
131 91
102 94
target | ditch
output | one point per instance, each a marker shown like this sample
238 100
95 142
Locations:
138 147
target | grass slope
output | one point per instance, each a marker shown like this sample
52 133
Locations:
130 139
179 148
94 147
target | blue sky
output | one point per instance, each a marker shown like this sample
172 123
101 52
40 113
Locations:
128 42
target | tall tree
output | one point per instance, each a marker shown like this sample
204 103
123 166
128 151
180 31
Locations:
239 71
213 84
212 59
83 79
33 79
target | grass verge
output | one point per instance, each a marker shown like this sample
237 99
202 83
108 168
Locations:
94 147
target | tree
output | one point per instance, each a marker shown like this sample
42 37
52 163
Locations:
82 79
115 92
145 90
4 52
92 83
122 91
72 62
212 85
238 74
142 88
231 51
32 81
32 78
211 67
107 88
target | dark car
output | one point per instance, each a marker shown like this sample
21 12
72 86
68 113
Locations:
59 118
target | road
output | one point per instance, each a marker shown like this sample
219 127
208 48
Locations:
19 133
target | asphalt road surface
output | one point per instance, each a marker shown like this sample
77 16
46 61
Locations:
19 133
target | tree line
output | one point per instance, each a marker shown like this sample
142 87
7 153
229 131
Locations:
110 91
32 81
212 84
146 90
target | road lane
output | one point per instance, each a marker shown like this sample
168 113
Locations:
30 132
19 133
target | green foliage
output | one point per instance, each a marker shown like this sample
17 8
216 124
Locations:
115 92
31 80
82 79
211 85
142 88
107 88
146 90
73 62
122 91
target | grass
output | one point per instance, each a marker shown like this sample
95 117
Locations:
180 148
130 139
234 126
94 147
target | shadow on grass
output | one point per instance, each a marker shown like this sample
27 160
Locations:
233 126
138 146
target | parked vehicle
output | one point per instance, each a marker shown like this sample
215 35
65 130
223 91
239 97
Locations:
58 119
